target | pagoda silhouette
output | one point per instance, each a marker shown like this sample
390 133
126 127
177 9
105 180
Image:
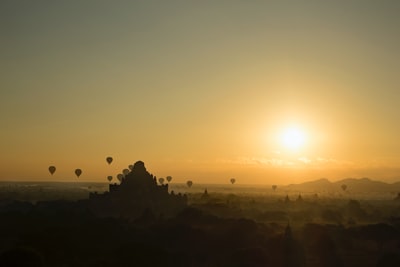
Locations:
136 196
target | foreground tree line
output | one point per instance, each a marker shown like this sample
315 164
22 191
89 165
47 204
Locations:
211 231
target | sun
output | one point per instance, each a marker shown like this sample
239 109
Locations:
293 138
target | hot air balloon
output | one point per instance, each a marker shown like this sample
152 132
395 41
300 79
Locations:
52 170
161 180
274 187
233 180
169 178
109 178
189 183
120 177
130 167
78 172
344 187
125 172
109 160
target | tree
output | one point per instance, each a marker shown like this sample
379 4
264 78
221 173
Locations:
344 187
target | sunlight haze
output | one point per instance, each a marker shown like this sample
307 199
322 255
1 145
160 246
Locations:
268 92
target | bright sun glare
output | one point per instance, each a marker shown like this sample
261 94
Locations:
293 138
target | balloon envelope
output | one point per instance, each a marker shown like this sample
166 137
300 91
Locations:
233 180
189 183
169 178
109 178
109 160
130 167
125 172
120 176
52 170
78 172
161 180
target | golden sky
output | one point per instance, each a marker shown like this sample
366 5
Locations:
200 90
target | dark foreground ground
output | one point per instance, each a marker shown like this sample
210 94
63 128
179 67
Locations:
214 230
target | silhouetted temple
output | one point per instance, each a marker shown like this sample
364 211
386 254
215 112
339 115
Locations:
136 195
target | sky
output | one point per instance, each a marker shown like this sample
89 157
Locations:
267 92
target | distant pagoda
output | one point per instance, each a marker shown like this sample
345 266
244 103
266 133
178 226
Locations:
137 194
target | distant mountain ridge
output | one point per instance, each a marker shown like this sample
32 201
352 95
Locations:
353 185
